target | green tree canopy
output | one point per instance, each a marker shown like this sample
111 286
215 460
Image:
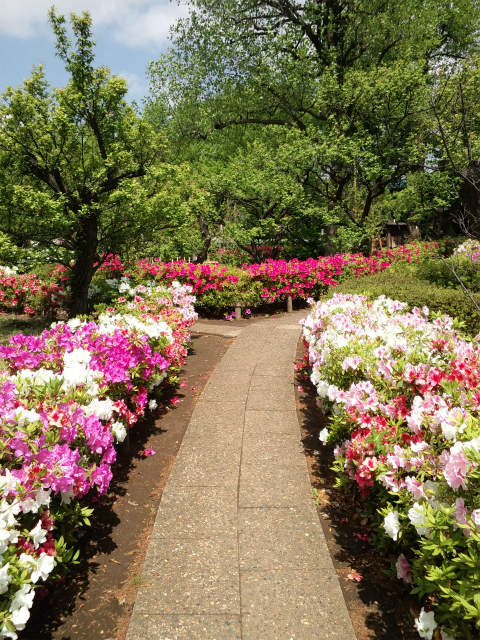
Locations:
80 171
351 76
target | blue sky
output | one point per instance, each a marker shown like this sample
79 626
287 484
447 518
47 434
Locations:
129 33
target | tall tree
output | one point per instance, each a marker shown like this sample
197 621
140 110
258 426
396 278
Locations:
79 168
349 75
453 122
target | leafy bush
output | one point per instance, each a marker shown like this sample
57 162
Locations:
66 398
401 390
401 285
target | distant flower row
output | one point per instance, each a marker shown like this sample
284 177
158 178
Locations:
402 392
215 285
67 398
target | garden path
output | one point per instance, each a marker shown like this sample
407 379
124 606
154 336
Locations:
237 551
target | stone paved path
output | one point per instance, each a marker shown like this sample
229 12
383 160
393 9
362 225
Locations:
237 551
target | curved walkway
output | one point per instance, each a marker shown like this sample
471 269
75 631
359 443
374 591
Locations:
237 551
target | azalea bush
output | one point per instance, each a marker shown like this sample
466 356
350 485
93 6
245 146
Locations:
29 294
67 398
218 287
401 392
407 284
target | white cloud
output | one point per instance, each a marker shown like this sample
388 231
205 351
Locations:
137 85
135 23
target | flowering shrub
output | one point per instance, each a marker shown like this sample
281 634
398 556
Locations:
215 286
402 393
470 249
28 294
67 398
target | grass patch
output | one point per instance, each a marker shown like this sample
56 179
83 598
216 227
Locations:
11 324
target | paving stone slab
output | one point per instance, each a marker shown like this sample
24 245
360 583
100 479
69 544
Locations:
195 512
316 627
276 421
178 627
191 577
282 539
284 493
272 383
207 468
280 351
281 438
270 400
225 369
294 594
268 368
270 456
221 431
236 386
237 549
224 412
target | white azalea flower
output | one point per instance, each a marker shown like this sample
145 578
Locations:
39 535
425 624
119 431
417 518
5 579
23 599
323 435
392 524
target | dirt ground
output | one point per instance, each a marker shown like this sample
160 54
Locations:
380 607
96 600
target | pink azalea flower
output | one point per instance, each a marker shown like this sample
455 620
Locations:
403 569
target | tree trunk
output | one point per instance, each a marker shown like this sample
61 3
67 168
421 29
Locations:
469 195
207 239
330 249
83 270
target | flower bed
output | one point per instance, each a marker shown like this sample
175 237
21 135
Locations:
28 294
67 398
215 286
402 393
218 287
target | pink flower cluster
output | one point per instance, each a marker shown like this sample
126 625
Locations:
68 396
279 278
28 294
404 397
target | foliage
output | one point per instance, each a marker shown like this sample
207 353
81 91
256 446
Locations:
322 102
79 169
403 394
68 397
416 293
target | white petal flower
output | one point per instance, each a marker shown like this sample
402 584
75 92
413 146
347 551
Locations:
45 566
119 431
417 518
392 524
20 617
323 435
152 405
5 579
425 624
39 535
23 597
